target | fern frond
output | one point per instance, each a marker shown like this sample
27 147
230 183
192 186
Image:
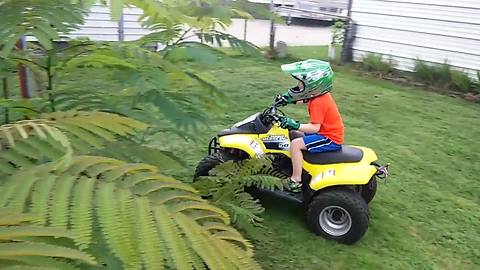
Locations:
134 179
9 217
133 153
81 217
149 244
113 229
94 128
237 239
122 170
200 206
202 216
44 262
17 232
20 193
84 163
28 267
152 186
170 196
198 239
14 249
112 215
19 152
179 252
60 201
40 197
127 211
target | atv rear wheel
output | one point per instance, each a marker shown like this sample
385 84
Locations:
338 214
369 189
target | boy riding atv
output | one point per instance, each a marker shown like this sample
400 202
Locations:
325 131
335 185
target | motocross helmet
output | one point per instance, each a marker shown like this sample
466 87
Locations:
315 76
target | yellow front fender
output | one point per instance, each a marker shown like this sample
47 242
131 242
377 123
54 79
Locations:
249 143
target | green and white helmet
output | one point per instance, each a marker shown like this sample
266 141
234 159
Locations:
315 75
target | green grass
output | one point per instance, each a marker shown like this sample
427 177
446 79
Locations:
425 217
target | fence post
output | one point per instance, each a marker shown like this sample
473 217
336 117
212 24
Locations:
121 28
272 30
245 30
23 72
349 35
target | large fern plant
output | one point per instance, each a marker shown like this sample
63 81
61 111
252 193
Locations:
231 184
104 211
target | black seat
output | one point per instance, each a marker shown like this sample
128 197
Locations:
346 154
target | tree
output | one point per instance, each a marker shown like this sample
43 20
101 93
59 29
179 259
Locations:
59 200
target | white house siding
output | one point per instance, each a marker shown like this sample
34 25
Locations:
99 26
432 30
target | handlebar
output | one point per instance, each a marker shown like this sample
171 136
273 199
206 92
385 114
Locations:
271 114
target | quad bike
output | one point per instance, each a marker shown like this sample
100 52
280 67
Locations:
336 186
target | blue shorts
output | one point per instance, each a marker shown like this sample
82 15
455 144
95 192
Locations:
317 143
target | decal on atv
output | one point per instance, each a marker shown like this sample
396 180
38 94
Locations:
257 148
276 142
323 175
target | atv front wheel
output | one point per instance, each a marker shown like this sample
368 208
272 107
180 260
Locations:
209 162
338 214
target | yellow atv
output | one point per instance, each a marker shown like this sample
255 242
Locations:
336 186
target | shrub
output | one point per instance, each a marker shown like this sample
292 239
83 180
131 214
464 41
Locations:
477 84
374 62
434 75
461 81
442 76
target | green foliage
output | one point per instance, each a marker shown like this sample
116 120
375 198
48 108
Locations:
338 31
255 10
227 188
375 63
123 192
123 202
218 38
21 242
26 143
43 19
477 84
120 215
461 81
442 76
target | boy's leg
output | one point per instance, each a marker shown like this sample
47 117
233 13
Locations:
296 148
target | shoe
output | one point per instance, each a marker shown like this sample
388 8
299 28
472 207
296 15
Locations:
294 186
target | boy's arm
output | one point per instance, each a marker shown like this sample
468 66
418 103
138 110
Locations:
309 128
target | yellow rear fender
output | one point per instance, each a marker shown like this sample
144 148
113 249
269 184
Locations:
249 143
358 173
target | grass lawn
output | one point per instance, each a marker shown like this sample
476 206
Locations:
426 217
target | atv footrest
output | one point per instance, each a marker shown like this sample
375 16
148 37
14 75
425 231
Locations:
291 196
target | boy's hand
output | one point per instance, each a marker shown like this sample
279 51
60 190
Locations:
289 123
285 99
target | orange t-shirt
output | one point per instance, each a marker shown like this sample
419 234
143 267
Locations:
323 110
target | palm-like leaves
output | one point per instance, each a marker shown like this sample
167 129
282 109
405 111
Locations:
22 248
139 213
141 218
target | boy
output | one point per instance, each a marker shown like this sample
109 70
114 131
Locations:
325 130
